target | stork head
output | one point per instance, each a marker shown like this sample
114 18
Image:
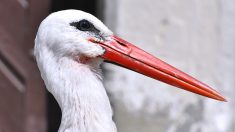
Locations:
81 36
67 33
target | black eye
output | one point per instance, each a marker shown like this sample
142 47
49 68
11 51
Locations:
82 25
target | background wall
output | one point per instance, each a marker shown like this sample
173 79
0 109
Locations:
196 36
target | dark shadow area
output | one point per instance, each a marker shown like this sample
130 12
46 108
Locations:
53 114
90 6
84 5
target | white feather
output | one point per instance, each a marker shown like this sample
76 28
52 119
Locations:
77 87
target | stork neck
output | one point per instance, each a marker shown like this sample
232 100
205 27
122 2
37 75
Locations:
85 106
80 93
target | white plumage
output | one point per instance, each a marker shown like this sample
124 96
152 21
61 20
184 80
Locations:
77 87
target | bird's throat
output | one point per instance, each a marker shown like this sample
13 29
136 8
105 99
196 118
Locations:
80 93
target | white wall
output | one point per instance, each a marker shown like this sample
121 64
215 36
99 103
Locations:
196 36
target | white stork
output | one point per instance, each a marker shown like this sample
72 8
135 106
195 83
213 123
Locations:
70 46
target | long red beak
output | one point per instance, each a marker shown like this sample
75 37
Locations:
129 56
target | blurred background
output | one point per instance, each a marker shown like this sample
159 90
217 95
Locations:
196 36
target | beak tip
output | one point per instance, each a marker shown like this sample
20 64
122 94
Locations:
224 99
220 98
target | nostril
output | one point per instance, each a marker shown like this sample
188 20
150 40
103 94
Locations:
123 44
121 41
